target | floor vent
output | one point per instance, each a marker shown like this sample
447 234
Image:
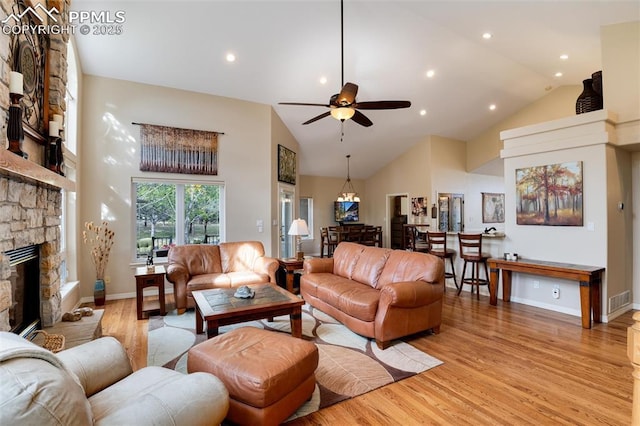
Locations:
619 300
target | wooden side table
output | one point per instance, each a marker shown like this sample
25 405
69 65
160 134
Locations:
290 266
146 279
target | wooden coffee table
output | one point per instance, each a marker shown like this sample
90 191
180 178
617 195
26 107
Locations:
219 307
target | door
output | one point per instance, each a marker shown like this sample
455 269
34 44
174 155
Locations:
286 247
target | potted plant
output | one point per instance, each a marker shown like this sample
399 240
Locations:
100 240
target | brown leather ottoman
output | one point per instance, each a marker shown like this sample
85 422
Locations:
268 374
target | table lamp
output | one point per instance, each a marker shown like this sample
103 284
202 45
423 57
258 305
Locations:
298 228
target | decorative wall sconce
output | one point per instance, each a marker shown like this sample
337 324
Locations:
15 132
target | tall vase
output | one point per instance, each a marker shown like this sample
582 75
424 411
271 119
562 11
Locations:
597 82
589 100
99 293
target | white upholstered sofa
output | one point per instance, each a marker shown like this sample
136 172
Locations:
94 384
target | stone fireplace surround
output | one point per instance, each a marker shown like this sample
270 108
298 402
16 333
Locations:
30 207
30 213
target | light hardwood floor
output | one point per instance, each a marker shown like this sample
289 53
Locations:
510 365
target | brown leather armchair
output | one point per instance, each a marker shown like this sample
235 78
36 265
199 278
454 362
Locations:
200 266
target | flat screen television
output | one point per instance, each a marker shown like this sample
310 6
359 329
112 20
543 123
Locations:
346 211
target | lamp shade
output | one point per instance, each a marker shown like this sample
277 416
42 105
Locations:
299 227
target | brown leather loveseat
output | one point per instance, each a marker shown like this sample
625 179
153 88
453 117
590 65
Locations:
201 266
376 292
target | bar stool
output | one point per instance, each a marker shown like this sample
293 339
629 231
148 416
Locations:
438 247
471 252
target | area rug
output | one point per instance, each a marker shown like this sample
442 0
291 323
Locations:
349 365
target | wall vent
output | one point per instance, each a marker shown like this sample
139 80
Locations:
619 300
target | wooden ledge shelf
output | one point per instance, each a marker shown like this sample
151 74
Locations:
16 165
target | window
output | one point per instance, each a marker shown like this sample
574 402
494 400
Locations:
71 99
69 216
306 212
168 213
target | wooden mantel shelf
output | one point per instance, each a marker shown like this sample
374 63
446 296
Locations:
14 164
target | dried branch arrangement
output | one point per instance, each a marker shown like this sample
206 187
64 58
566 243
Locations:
100 240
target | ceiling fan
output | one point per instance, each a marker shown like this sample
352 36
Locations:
343 105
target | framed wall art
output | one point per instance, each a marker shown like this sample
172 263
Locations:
174 150
286 165
419 206
492 207
550 195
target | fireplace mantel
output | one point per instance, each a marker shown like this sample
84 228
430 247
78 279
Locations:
16 165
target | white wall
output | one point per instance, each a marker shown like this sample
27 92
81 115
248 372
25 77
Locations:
570 244
109 160
280 135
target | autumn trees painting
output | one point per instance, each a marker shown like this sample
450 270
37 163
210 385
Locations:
550 195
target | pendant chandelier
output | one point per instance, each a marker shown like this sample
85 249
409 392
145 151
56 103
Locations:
348 193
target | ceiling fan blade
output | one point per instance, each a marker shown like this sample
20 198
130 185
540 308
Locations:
318 117
347 95
303 104
382 105
361 119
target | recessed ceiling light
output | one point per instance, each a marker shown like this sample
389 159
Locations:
492 107
487 36
558 74
423 112
231 57
564 57
431 73
323 80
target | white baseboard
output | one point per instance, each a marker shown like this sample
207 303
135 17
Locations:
130 295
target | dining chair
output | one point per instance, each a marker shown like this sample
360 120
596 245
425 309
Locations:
412 241
328 240
369 236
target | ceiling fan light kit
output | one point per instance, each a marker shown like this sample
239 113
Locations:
343 113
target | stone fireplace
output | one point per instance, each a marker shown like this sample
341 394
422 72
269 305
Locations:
30 214
31 195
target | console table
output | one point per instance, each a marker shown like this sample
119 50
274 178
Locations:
589 277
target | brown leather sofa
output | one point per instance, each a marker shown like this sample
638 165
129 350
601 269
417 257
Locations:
376 292
201 266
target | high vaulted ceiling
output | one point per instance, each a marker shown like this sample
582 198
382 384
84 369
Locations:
283 48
